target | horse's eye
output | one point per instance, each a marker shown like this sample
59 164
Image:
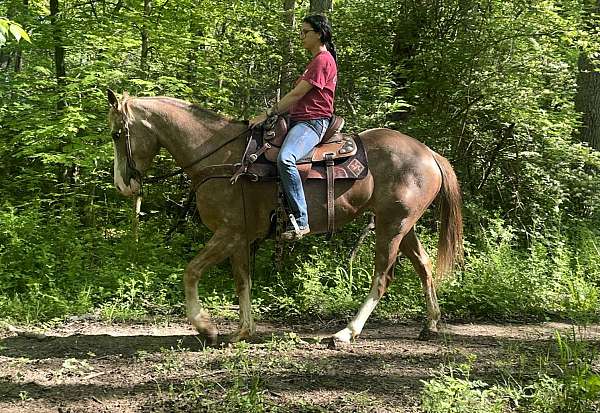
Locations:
116 135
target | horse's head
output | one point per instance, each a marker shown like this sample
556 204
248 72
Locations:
134 142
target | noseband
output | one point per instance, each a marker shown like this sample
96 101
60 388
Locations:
131 171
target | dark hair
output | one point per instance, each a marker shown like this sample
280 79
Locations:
321 25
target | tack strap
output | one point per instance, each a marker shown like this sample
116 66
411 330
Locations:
329 164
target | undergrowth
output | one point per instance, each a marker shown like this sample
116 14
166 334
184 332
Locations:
55 266
564 383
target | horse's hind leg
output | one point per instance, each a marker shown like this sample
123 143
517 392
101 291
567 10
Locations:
388 238
222 245
240 264
411 247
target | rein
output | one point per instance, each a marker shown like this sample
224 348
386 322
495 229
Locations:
133 172
206 155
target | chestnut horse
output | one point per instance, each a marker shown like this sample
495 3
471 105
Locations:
404 178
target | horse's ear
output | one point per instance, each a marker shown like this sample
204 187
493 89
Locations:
112 99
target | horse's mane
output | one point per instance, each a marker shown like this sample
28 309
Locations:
193 109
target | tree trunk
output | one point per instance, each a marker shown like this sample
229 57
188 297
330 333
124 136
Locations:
196 32
404 49
587 100
320 6
289 20
18 60
19 52
65 172
145 41
59 53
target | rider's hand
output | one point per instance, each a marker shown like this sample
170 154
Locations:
257 120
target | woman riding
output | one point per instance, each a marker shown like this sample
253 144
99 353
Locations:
310 106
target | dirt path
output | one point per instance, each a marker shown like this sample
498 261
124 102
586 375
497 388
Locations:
85 365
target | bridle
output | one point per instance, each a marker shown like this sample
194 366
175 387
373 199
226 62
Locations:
133 172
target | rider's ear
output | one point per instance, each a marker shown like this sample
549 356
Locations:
112 99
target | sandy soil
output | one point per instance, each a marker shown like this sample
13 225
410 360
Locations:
87 365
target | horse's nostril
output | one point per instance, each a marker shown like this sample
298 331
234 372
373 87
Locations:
119 188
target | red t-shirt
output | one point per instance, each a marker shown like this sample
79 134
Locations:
321 72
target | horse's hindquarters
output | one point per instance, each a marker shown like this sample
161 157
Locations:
404 171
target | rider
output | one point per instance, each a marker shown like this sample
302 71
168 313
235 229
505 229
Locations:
310 106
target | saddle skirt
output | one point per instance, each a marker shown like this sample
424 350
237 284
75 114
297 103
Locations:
343 153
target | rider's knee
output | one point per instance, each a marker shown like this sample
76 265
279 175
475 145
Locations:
285 159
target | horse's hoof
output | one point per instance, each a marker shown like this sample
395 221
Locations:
210 339
342 336
330 342
240 336
210 335
202 324
426 335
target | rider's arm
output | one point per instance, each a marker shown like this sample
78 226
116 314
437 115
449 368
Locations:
285 103
293 96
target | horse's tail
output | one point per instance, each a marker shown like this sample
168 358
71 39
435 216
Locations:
450 244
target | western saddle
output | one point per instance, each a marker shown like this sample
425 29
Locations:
337 156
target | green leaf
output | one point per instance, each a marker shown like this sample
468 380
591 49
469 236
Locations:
25 36
16 31
19 33
43 70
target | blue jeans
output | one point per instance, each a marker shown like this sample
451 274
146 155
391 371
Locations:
301 138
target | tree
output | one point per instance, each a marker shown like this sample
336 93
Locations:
59 53
588 81
289 22
320 6
145 37
15 8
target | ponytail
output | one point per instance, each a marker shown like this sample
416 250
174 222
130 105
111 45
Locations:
331 48
321 25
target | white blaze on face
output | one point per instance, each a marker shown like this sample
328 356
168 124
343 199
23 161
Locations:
120 169
118 174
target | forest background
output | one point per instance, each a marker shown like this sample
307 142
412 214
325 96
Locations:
507 90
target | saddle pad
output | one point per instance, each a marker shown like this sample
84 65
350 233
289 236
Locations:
354 167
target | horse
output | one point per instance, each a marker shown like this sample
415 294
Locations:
404 178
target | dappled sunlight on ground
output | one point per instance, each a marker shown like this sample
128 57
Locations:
161 365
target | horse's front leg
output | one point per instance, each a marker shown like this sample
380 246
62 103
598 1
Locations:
240 264
222 245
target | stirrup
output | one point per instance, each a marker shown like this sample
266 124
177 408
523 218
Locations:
296 232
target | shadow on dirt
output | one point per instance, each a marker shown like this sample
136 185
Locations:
387 363
85 346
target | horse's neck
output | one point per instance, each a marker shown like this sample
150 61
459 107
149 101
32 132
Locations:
189 141
189 136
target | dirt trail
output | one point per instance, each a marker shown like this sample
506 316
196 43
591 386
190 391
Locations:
86 365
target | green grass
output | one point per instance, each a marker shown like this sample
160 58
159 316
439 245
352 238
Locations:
57 267
564 384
